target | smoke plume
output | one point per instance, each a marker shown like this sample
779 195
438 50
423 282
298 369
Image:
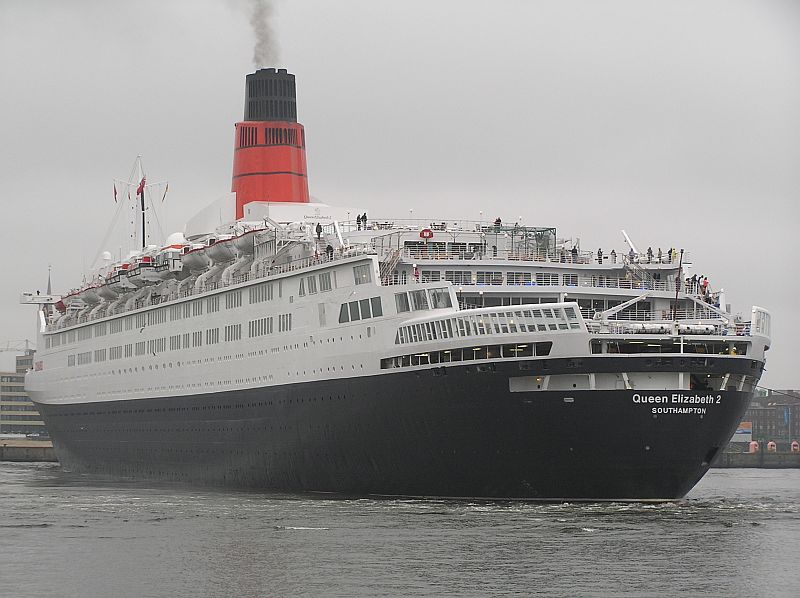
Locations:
265 52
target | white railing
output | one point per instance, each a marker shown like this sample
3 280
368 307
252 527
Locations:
292 266
568 281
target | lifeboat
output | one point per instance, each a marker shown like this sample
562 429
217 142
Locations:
169 263
195 258
105 291
90 295
118 280
245 243
223 250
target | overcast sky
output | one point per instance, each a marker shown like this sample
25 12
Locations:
678 121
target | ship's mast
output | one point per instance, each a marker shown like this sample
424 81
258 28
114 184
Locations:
140 192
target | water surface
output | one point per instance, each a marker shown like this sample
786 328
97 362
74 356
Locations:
737 534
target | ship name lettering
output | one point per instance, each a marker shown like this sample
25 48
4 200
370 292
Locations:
637 398
694 399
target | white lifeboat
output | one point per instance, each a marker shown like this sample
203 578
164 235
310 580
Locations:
118 280
90 295
195 258
105 290
245 243
223 250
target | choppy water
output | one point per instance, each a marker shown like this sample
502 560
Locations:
737 534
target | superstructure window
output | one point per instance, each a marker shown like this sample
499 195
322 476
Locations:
518 278
261 292
401 300
546 278
419 300
355 312
362 274
491 278
458 276
325 281
440 298
360 310
233 299
377 308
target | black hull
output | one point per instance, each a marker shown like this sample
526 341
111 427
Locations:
411 433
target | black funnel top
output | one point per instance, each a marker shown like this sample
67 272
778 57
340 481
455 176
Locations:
270 95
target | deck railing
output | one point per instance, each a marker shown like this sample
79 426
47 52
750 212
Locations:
270 272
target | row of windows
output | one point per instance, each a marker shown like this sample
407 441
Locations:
362 309
421 299
233 299
12 378
261 292
669 346
17 408
467 277
20 388
308 284
259 327
531 320
541 349
231 333
284 322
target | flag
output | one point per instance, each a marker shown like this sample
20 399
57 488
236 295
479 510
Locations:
115 193
165 193
140 188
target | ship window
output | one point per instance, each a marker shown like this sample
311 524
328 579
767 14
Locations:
570 280
344 314
362 274
458 276
518 278
419 300
440 298
377 308
325 281
401 300
312 285
354 311
490 278
543 349
546 278
302 290
365 311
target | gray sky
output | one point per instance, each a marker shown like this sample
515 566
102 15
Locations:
678 121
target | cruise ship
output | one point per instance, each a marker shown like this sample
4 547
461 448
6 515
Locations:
286 345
